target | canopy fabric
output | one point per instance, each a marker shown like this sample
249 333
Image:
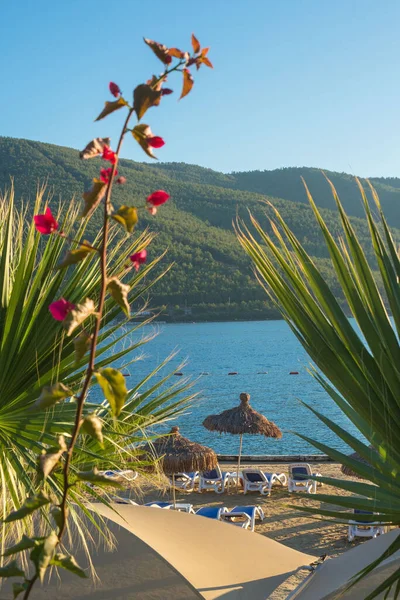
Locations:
217 559
169 555
334 575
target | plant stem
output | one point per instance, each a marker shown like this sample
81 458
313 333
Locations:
91 365
30 586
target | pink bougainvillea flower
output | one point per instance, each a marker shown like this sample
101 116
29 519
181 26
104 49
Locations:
109 154
166 91
152 210
157 198
60 309
105 174
46 223
155 141
138 258
121 180
114 89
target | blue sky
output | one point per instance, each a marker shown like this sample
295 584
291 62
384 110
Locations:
295 83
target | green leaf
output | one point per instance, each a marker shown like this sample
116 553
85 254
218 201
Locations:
119 291
127 216
24 544
78 315
47 553
56 513
141 132
113 384
111 107
18 588
94 148
93 426
75 256
30 505
94 477
52 394
48 460
93 197
69 563
82 345
11 570
144 97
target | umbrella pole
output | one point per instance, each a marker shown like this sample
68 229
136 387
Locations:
238 467
173 490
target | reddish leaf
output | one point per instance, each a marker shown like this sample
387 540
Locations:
142 133
93 197
94 148
109 155
159 50
46 223
144 97
195 44
187 83
158 198
114 89
156 141
176 53
139 258
59 309
111 107
206 62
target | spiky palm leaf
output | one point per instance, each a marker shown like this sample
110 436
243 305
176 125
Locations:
34 353
359 369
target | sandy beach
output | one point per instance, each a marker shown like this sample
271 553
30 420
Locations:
282 523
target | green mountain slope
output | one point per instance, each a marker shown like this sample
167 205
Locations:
211 274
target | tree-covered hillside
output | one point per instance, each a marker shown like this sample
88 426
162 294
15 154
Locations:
211 275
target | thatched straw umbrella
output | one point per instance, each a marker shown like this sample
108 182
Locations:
242 419
349 472
177 454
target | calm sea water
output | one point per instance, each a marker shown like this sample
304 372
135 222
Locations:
263 353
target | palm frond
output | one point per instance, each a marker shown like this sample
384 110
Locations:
34 353
358 365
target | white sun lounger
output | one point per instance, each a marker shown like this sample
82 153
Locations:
254 512
360 528
211 512
255 480
298 478
238 518
127 474
213 480
185 481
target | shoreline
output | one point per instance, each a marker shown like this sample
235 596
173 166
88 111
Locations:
275 458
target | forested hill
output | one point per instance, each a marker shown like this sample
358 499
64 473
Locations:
212 276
